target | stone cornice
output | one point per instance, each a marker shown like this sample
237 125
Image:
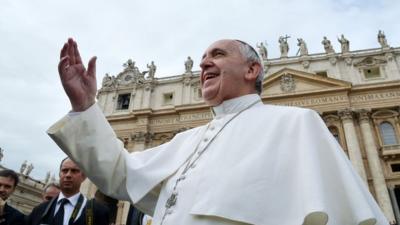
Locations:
377 86
325 56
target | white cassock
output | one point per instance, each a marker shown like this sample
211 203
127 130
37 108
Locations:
252 164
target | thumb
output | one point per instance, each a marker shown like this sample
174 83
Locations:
92 67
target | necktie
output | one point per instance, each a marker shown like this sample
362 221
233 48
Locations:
59 217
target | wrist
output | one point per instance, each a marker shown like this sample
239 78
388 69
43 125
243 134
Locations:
82 107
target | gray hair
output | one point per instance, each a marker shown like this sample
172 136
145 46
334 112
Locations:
251 56
51 184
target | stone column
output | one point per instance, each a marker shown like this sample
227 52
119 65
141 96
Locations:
186 89
137 101
148 88
378 179
353 146
141 139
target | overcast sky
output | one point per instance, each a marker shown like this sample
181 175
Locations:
32 32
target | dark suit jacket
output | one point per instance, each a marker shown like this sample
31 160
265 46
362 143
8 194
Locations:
100 212
135 216
11 216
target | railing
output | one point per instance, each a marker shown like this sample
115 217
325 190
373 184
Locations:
390 151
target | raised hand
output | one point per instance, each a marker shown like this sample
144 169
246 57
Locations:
79 83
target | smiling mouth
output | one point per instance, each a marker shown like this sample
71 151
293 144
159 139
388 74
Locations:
209 76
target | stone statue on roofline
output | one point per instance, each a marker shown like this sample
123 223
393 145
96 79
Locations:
23 167
283 45
129 65
303 50
152 70
1 154
382 39
344 43
188 65
327 45
29 169
262 50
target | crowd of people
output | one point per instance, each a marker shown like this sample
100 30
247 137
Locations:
62 203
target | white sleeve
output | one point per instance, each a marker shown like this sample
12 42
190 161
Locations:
89 140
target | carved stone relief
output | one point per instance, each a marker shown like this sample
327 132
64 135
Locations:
305 63
348 61
333 60
370 62
142 136
287 83
364 115
346 114
331 119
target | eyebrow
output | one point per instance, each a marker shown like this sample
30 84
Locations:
213 51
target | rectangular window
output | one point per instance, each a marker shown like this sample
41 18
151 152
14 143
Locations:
168 98
322 73
395 167
371 73
123 101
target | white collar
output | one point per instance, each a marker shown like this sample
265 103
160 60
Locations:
72 200
235 105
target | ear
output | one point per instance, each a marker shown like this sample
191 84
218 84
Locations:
83 175
253 71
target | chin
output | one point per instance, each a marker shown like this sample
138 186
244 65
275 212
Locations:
213 102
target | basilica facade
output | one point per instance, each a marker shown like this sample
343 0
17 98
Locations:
356 93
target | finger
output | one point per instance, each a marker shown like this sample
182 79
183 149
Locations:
78 59
71 51
63 51
63 65
92 67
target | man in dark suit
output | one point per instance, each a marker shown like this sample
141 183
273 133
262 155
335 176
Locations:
8 183
50 191
70 206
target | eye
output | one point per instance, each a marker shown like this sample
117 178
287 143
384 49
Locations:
218 53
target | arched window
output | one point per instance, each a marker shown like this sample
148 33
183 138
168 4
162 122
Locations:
387 133
335 132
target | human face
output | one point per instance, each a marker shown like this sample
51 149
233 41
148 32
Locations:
6 187
224 73
71 178
50 193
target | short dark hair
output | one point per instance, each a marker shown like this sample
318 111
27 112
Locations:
11 174
62 161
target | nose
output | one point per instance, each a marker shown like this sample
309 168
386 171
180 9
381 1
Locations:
205 63
68 174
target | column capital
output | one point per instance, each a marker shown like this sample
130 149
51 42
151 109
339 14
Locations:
346 114
330 118
142 136
364 115
396 119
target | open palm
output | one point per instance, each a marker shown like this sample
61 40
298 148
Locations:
78 83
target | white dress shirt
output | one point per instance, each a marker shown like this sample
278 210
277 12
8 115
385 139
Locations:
69 207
